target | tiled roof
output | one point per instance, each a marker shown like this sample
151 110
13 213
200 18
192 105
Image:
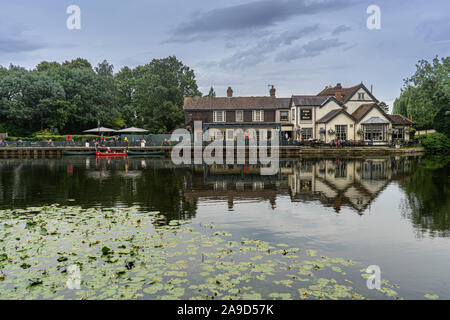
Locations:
399 119
332 114
283 103
362 110
309 100
345 92
232 103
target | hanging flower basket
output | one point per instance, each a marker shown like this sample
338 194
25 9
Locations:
359 132
331 131
322 130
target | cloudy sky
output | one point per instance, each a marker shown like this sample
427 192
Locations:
297 45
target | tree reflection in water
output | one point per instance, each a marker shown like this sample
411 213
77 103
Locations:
156 184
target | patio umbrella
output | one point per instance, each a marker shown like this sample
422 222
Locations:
100 129
132 130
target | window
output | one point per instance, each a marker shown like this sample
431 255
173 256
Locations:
341 132
239 116
284 115
230 134
374 132
219 116
361 96
398 134
293 114
258 115
306 133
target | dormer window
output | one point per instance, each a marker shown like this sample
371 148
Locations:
361 96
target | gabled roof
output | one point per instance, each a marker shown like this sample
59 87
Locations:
346 93
332 114
400 119
283 103
362 110
230 103
309 101
375 120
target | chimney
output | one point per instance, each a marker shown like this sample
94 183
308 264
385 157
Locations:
338 96
229 92
339 86
272 92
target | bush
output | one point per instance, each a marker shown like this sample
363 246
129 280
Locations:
435 143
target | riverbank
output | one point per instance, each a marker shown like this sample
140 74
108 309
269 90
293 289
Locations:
285 151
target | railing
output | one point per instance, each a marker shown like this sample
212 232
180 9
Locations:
45 144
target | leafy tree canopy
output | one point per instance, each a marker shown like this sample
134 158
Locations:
425 93
73 96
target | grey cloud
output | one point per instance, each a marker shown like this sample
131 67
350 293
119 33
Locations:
340 29
17 45
252 15
12 40
253 55
437 30
311 49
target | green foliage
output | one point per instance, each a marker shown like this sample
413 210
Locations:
73 96
425 93
442 121
435 143
211 93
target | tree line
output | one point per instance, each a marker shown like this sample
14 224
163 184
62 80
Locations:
425 97
74 96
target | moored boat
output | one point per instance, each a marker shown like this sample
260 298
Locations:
146 153
111 154
78 153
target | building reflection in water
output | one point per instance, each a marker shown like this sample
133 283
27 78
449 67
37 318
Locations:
333 182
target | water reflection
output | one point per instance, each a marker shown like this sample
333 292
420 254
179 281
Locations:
333 182
157 184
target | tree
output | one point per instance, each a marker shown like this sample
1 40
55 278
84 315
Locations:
30 99
442 121
425 93
73 96
152 95
211 93
78 63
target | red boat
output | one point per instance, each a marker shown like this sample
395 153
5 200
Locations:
110 154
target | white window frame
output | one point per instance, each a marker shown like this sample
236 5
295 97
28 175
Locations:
287 117
341 131
307 133
241 112
361 96
215 114
230 134
258 115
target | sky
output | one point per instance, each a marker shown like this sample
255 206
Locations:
299 46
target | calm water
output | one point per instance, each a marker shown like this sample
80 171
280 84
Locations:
391 212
